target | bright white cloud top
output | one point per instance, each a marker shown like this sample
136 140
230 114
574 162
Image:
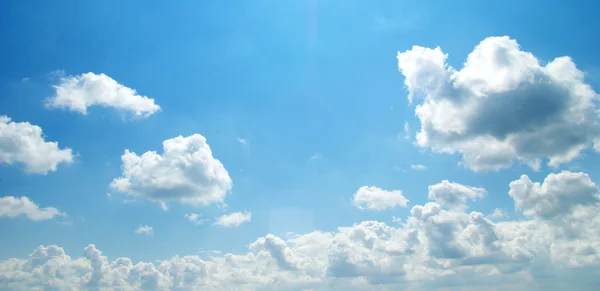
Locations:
437 245
186 172
454 195
374 198
78 93
11 207
502 106
144 230
24 143
559 195
234 219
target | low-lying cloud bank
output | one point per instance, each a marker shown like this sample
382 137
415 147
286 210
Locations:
440 246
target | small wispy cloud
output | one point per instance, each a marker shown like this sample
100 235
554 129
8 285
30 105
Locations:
163 206
498 213
418 167
242 140
406 130
145 230
195 218
234 219
315 156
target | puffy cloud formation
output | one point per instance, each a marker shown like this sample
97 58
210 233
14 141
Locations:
374 198
559 195
234 219
502 106
24 143
186 172
145 230
437 247
454 195
78 93
11 206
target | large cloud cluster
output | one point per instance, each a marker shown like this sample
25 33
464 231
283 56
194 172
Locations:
439 246
502 106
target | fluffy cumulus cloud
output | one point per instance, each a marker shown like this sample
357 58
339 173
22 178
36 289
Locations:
78 93
454 195
24 143
437 247
502 106
559 194
144 230
234 219
186 172
374 198
11 206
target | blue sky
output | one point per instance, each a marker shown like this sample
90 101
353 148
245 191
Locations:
303 103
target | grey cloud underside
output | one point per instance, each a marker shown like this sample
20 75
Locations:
440 246
501 106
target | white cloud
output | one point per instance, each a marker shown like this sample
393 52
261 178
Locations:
374 198
498 213
559 195
454 195
22 142
11 206
234 219
434 249
186 172
144 230
195 218
418 167
501 106
315 156
78 93
242 140
406 130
